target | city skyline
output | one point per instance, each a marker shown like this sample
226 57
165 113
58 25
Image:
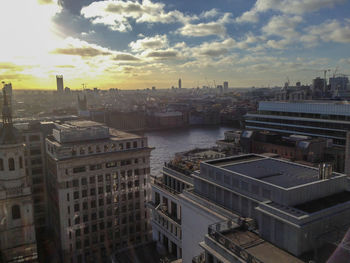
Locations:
140 44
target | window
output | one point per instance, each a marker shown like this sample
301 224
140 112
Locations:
1 165
34 138
76 195
100 190
92 179
85 218
101 214
79 169
111 164
16 212
93 216
92 191
35 151
75 183
93 204
84 193
100 178
77 220
85 206
21 162
76 208
95 167
11 164
135 144
128 145
83 181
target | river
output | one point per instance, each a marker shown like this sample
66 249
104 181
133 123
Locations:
169 142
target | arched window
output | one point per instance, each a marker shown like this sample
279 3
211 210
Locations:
1 165
16 212
11 164
20 162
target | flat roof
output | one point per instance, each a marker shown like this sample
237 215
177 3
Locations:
259 248
324 202
274 171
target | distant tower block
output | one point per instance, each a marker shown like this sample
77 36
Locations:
225 85
180 84
59 80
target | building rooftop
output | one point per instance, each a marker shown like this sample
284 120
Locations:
259 248
245 243
324 202
274 171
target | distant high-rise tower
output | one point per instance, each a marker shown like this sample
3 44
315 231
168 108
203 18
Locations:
59 80
180 84
225 85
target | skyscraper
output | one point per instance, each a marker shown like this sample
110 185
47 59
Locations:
180 84
17 233
59 81
225 86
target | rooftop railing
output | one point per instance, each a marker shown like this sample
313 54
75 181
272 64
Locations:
159 182
178 168
216 231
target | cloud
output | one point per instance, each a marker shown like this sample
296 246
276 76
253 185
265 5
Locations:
163 54
212 49
77 47
117 14
329 31
206 29
125 57
156 42
209 14
295 7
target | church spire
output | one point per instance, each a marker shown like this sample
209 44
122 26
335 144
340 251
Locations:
6 110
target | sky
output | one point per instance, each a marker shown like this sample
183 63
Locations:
128 44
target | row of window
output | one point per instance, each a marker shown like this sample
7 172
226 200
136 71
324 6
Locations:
11 163
124 219
107 177
111 164
106 148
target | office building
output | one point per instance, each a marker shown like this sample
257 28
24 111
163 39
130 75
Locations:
326 119
253 204
98 185
17 232
59 81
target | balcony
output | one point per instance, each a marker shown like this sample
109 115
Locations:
163 211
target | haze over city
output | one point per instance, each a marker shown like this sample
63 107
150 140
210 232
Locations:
140 44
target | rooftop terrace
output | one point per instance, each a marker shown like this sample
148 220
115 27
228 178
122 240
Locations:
247 245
